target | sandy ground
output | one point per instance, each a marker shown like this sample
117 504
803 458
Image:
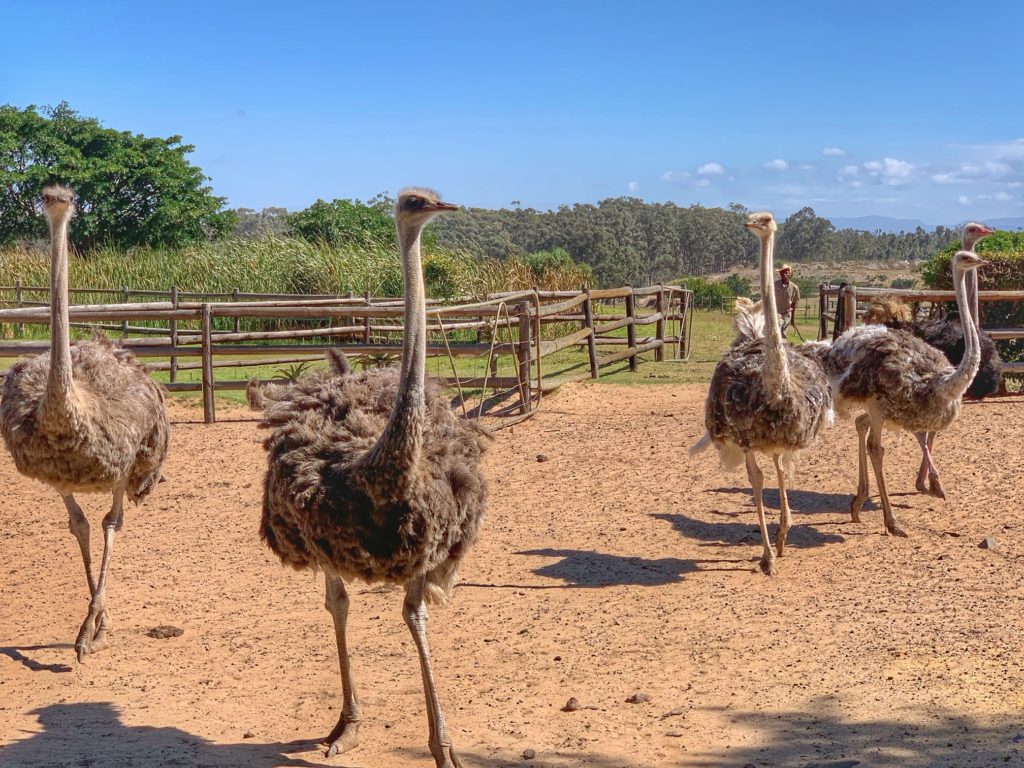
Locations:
620 566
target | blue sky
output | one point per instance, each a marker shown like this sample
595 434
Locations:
901 108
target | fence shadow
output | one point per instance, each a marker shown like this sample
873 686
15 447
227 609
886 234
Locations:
92 734
737 533
821 737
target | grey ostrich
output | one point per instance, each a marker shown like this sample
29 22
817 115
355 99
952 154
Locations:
948 337
765 397
84 419
371 476
901 382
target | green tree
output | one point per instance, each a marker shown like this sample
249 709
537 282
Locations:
132 189
349 222
737 285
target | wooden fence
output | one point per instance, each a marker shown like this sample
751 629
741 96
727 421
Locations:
843 304
511 323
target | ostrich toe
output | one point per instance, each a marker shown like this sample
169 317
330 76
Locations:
343 738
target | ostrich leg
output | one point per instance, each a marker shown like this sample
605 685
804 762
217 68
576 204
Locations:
79 526
784 516
92 637
345 735
934 484
757 486
414 610
863 425
877 453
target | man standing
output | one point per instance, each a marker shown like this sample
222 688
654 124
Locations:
786 297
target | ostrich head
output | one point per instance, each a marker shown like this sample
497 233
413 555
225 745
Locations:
417 205
58 202
761 224
972 233
964 261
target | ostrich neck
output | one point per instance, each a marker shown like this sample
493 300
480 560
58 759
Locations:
957 382
59 383
972 297
776 372
390 462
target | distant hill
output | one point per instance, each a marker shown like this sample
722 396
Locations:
1008 222
883 223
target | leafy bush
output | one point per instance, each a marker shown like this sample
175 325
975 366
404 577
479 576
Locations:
903 282
347 222
706 294
737 285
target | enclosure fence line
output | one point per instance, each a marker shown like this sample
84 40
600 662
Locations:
841 305
535 325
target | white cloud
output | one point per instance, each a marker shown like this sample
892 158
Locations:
674 175
889 170
964 200
778 164
703 183
833 152
990 170
632 186
848 170
806 167
711 169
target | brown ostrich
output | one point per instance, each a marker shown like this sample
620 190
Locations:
902 382
948 337
371 476
84 419
765 397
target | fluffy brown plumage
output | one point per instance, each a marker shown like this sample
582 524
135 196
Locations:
900 381
371 476
765 396
84 419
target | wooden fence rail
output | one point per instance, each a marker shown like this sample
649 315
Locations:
526 325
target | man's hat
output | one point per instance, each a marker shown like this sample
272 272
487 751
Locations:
785 268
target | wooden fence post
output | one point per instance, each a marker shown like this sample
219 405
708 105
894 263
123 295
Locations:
850 308
174 335
822 307
588 322
523 355
125 293
234 297
659 327
366 330
19 328
631 328
209 413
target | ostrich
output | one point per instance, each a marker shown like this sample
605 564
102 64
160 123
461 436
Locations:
84 419
900 381
948 337
765 397
260 394
370 475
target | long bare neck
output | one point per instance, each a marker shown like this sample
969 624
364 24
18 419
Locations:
972 297
59 383
956 383
396 452
776 372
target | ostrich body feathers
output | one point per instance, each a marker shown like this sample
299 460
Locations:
322 508
115 429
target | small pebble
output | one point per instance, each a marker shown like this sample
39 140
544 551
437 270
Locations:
542 457
571 705
989 542
529 754
639 698
248 735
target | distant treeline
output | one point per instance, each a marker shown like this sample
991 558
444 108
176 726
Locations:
628 241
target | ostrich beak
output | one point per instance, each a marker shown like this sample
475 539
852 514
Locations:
439 206
982 262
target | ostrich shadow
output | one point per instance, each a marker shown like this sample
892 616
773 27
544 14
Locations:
16 654
740 533
588 569
801 502
92 734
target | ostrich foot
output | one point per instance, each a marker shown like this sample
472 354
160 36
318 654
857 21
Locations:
935 486
767 564
92 637
895 529
920 485
444 755
855 504
343 738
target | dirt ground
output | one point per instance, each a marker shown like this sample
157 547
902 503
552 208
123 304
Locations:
619 566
